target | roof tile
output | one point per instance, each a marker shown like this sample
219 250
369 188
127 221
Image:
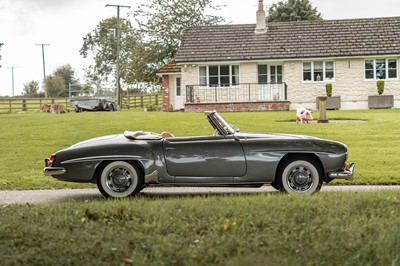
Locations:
303 39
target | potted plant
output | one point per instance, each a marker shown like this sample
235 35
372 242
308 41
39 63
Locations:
380 101
332 102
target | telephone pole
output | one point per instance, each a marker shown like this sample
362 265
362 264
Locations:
12 78
44 66
117 67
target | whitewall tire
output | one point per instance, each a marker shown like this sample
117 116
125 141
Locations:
300 176
120 179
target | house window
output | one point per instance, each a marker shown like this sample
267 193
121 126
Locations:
276 74
262 74
178 86
380 69
219 75
203 76
318 71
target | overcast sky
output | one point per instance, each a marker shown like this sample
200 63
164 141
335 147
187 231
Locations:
63 24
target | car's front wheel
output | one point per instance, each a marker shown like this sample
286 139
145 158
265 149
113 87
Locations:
301 175
120 179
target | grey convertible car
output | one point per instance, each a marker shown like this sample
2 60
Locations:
124 164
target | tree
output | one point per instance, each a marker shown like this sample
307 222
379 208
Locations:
1 44
293 10
31 89
148 45
57 84
161 24
102 44
67 73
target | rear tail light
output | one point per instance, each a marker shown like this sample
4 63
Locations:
51 160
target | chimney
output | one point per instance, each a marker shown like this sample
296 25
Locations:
261 19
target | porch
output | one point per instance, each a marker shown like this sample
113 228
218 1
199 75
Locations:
237 97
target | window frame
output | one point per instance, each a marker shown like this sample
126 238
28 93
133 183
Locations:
234 75
387 68
318 73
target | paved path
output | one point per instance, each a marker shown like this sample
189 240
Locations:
65 195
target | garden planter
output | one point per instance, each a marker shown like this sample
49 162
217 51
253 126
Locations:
380 102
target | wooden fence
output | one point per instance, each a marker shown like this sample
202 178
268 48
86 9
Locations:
141 101
8 105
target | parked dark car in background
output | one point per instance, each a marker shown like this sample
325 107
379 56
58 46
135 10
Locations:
124 164
98 104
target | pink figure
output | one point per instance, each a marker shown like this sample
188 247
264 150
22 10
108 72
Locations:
303 115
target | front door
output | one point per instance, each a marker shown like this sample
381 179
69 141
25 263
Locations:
210 159
178 94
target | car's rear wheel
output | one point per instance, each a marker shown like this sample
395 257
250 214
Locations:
301 175
120 179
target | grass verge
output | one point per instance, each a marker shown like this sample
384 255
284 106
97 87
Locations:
336 228
27 138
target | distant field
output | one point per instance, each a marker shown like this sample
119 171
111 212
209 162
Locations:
28 137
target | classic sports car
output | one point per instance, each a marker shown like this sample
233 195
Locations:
124 164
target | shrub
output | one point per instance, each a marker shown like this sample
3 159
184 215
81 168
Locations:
328 88
380 85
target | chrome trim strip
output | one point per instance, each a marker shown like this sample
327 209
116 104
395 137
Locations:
50 171
347 174
102 158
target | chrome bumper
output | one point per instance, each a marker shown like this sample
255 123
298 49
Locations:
50 171
346 174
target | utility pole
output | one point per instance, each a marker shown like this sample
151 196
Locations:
44 66
117 67
12 78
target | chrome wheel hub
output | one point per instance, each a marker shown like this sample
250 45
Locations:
300 179
118 179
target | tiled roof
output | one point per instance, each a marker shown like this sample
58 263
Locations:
291 40
171 67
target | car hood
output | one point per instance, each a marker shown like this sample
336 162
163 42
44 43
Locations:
303 141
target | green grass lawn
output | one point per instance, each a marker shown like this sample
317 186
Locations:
27 138
328 228
335 228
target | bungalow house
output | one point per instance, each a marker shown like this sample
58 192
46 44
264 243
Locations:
283 65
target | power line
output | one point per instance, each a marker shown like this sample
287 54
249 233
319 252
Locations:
118 88
44 66
12 78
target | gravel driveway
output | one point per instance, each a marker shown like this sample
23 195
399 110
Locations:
65 195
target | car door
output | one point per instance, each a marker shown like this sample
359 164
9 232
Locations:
210 159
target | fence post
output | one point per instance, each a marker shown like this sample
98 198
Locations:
23 104
156 99
10 105
141 101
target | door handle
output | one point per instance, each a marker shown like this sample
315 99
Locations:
169 149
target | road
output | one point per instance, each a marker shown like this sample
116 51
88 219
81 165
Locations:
65 195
